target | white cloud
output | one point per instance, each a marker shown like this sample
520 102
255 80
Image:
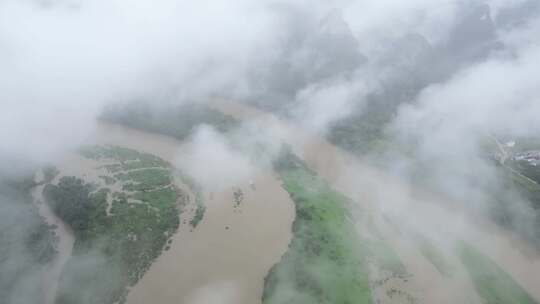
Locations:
212 162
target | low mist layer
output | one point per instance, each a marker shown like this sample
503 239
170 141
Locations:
406 109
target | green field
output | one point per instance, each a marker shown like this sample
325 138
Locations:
324 262
114 246
492 283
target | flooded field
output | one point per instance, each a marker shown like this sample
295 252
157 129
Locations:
233 248
226 257
399 212
234 245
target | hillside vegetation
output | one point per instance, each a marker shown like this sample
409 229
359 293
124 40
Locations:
175 121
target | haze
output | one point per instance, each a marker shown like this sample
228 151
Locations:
256 151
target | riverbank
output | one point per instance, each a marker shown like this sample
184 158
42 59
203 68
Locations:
399 212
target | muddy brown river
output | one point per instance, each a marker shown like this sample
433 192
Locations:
399 210
225 259
230 251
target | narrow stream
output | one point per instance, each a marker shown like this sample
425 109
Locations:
65 245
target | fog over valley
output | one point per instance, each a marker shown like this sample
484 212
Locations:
271 151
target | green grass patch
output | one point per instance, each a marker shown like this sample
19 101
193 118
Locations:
145 179
324 263
199 214
127 159
113 251
492 283
157 198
